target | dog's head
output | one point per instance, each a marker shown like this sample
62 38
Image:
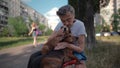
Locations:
66 29
67 34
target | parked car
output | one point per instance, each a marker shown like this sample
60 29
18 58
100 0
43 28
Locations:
98 34
106 34
114 33
103 34
118 33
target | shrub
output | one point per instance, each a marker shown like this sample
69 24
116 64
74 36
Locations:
17 26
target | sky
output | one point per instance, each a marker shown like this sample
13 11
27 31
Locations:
43 6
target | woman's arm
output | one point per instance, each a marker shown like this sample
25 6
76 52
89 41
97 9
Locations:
30 31
80 46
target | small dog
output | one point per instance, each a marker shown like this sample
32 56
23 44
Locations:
56 58
49 45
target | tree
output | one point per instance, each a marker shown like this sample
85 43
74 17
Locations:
115 16
42 26
115 22
119 11
85 10
17 26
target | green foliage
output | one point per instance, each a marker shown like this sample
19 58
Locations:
45 30
96 5
119 11
5 32
105 54
115 21
48 32
98 28
30 20
42 27
101 28
17 26
104 27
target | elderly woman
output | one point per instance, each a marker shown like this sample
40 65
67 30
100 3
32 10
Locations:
67 17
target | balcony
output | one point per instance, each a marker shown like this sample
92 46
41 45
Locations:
3 3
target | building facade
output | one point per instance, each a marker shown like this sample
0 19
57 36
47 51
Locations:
107 11
14 8
4 12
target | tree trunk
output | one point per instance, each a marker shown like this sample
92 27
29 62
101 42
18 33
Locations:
89 23
85 12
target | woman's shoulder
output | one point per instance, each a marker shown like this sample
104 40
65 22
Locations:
34 28
78 21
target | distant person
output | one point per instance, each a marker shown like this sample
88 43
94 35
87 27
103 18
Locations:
34 33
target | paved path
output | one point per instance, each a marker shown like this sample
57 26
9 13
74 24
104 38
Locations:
16 57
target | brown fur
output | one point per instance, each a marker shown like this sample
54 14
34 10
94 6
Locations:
53 59
49 45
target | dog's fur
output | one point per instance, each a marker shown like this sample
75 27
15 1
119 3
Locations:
50 44
54 59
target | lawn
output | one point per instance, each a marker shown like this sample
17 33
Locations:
106 53
6 42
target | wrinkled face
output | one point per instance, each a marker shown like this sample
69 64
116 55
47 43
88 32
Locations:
67 19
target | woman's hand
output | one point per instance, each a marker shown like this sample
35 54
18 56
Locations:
29 34
61 45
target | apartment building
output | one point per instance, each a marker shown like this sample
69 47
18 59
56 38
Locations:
4 12
27 12
107 11
13 8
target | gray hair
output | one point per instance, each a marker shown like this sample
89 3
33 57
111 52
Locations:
63 10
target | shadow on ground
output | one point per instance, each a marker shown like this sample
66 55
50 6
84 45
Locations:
16 57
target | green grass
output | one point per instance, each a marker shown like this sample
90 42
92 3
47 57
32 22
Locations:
6 42
106 53
109 39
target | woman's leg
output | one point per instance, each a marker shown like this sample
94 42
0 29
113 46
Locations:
32 58
35 41
81 65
